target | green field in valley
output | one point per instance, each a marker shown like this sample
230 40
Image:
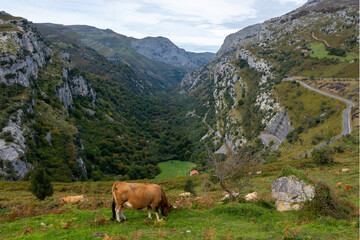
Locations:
174 168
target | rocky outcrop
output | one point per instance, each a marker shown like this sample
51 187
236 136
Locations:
290 192
163 50
76 85
13 163
21 53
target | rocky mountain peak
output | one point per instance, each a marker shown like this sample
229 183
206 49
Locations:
163 50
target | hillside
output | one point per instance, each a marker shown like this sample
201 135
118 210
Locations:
158 63
240 89
78 121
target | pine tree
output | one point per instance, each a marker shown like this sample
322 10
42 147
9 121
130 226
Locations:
189 187
40 184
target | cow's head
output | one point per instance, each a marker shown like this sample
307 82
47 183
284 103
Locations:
166 210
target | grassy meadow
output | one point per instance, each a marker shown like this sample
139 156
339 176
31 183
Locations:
203 216
174 168
318 50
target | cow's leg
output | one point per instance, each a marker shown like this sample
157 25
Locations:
122 213
117 210
149 212
156 210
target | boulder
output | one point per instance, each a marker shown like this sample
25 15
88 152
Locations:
252 197
73 199
290 192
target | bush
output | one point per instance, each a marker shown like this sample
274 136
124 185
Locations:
189 187
324 204
322 155
40 184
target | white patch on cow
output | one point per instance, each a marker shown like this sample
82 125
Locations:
157 216
149 213
122 214
128 205
117 216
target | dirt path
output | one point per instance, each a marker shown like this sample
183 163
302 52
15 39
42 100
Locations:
321 40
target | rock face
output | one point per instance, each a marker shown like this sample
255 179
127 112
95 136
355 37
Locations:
21 53
290 192
12 154
76 85
163 50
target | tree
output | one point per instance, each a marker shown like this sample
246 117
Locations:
40 184
231 170
189 187
322 155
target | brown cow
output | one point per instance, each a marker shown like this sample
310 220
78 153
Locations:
139 196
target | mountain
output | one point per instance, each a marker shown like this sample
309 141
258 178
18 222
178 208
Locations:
70 112
163 50
240 91
158 63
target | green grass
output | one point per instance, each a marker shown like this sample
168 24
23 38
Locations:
250 221
318 50
174 168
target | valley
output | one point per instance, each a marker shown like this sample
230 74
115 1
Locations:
92 106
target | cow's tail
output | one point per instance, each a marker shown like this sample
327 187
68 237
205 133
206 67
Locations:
113 203
113 209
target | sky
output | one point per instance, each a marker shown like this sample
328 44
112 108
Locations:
195 25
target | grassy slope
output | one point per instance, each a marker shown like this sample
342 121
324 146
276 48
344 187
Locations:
318 50
174 168
21 214
348 89
300 101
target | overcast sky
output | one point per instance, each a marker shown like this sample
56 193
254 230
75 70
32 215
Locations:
195 25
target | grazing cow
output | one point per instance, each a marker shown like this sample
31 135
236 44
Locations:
139 196
73 199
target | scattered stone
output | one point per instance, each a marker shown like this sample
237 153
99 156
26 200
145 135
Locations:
347 186
43 224
185 194
227 195
99 235
290 192
252 197
345 170
73 199
262 180
336 173
258 172
188 231
338 184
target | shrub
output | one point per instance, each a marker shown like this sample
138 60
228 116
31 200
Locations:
288 171
40 184
7 136
324 204
189 187
322 155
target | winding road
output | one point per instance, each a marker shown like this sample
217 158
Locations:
346 114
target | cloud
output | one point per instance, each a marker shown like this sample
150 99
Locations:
185 22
